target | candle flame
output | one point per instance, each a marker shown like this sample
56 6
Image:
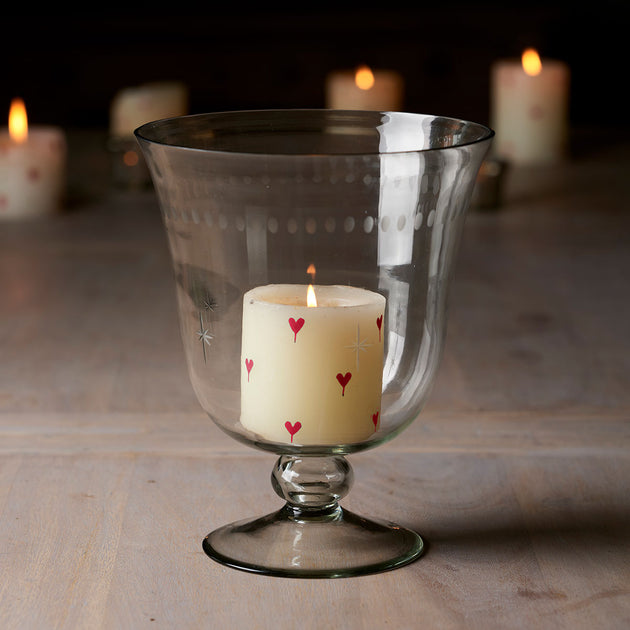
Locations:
531 62
364 78
311 300
18 122
130 158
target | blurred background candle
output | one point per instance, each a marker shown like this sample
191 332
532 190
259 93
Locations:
529 109
32 167
136 105
380 90
131 107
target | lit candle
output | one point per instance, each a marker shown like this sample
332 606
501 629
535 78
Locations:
378 90
529 102
32 167
312 368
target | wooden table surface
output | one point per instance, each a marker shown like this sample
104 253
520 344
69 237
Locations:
517 472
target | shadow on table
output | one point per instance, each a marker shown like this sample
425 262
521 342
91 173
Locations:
596 532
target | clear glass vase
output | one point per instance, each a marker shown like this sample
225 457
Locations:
361 211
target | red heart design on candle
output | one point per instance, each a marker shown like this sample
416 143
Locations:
343 381
292 428
249 364
379 323
375 419
296 326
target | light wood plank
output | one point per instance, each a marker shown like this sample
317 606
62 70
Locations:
60 530
119 540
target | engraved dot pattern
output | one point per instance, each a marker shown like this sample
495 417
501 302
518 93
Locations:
312 221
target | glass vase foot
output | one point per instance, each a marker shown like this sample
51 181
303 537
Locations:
312 535
326 544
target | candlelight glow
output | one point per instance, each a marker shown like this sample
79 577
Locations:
363 78
18 123
311 300
130 158
531 62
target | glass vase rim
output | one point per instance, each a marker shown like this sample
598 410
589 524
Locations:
142 132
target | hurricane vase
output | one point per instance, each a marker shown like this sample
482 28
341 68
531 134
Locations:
312 252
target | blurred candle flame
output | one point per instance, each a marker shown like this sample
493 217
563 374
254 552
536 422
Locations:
18 122
364 78
531 62
130 158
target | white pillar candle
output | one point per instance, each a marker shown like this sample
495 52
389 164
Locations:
354 89
530 109
32 168
312 374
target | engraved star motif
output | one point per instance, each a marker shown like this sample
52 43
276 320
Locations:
359 345
204 336
209 303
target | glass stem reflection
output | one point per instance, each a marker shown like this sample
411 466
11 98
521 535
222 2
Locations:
311 485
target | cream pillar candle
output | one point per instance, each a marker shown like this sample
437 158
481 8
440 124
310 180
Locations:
529 103
378 90
134 106
312 374
32 167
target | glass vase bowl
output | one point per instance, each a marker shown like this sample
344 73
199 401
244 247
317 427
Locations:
312 252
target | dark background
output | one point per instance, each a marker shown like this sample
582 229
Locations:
67 68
